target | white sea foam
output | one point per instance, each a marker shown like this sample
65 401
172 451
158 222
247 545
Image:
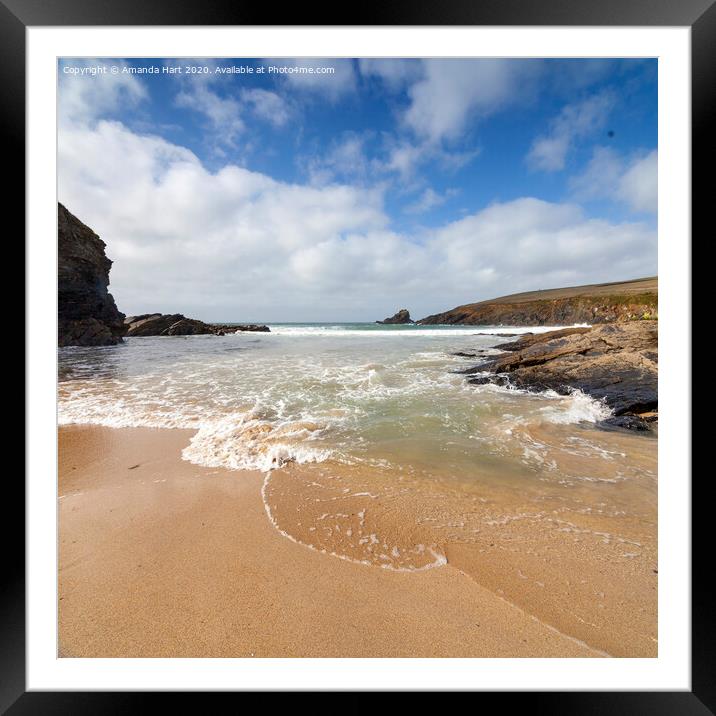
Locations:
403 331
438 557
579 407
243 442
259 404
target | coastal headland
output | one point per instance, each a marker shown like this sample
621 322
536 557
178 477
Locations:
598 303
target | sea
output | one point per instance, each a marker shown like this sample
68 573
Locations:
344 417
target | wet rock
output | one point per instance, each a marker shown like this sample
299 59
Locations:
616 363
224 329
489 379
176 324
528 339
627 422
158 324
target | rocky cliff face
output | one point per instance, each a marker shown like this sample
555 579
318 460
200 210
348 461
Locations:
599 303
402 316
87 314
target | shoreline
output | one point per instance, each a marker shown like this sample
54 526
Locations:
160 557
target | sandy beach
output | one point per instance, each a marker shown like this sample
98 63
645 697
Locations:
159 557
386 389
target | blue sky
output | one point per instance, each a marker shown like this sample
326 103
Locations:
346 189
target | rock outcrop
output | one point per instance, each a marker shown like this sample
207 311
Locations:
616 363
222 329
176 324
598 303
402 316
86 312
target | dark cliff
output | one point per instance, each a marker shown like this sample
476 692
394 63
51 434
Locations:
86 312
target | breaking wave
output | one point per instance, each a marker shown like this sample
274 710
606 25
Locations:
258 403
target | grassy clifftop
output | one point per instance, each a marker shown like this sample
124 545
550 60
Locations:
597 303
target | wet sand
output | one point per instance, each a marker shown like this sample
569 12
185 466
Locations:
162 558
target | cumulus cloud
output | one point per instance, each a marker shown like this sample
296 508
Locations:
549 152
528 243
239 245
629 180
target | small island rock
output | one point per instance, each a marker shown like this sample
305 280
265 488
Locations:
402 316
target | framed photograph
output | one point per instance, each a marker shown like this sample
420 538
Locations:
355 381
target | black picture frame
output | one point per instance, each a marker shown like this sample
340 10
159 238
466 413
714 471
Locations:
700 15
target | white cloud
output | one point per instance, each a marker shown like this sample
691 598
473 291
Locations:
97 92
345 158
238 245
223 113
430 199
532 243
227 112
267 105
549 153
445 96
454 92
639 183
632 181
404 157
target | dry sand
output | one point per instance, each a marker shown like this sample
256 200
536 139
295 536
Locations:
162 558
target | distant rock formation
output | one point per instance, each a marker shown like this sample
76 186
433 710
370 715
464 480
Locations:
617 363
402 316
176 324
598 303
86 312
